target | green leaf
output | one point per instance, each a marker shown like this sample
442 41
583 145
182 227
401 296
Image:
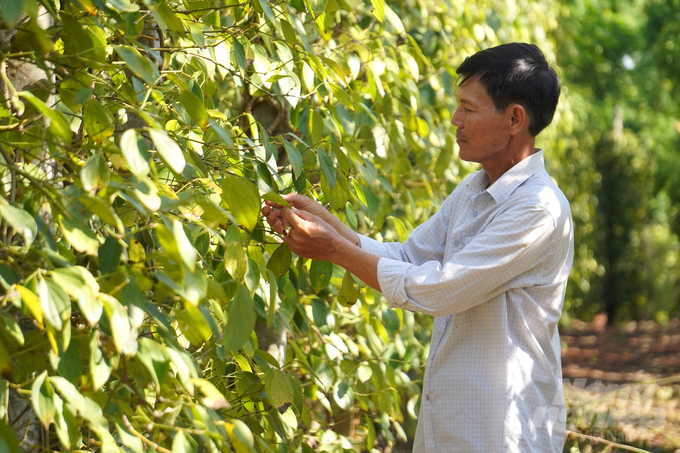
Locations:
59 124
155 359
379 11
342 95
6 364
349 291
400 228
147 192
75 280
129 440
279 388
288 32
327 167
31 303
294 157
11 11
124 6
54 302
279 262
182 443
134 149
10 330
276 198
195 108
168 18
20 220
8 437
98 121
186 249
339 196
102 209
223 134
264 6
239 54
243 200
370 432
351 216
109 255
320 273
95 173
169 150
317 129
140 65
124 336
343 394
338 74
235 261
241 322
42 399
80 236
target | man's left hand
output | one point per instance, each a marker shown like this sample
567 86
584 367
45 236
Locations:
311 237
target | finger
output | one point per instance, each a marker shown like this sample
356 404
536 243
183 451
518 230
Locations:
292 218
272 204
306 215
266 210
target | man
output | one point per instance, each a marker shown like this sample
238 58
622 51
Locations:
491 266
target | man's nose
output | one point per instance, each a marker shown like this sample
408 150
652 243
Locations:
457 120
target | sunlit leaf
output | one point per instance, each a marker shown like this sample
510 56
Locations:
42 399
20 220
140 65
379 9
98 121
95 173
243 200
169 150
59 124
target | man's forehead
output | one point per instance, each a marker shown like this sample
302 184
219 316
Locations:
471 90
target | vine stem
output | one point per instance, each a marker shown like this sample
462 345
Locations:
150 443
609 443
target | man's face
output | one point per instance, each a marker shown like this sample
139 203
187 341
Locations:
483 134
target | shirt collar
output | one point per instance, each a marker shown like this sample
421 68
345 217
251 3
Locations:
510 180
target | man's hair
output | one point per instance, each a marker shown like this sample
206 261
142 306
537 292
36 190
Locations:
516 73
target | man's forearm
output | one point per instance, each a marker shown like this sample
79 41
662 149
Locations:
358 261
344 231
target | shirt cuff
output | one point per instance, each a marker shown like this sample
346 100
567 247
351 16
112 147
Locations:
391 276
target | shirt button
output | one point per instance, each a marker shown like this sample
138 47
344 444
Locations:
456 243
427 397
474 214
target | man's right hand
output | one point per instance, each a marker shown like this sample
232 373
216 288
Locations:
273 212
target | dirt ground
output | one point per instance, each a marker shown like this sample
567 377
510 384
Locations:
622 383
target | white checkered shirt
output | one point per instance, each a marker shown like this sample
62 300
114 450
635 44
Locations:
491 266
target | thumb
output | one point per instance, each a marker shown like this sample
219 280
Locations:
297 217
305 215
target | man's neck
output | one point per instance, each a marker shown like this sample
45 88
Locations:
512 157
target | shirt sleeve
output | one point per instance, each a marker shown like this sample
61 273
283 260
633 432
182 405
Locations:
426 242
497 259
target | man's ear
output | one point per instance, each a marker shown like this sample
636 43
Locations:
519 119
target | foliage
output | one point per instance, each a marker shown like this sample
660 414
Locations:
132 254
